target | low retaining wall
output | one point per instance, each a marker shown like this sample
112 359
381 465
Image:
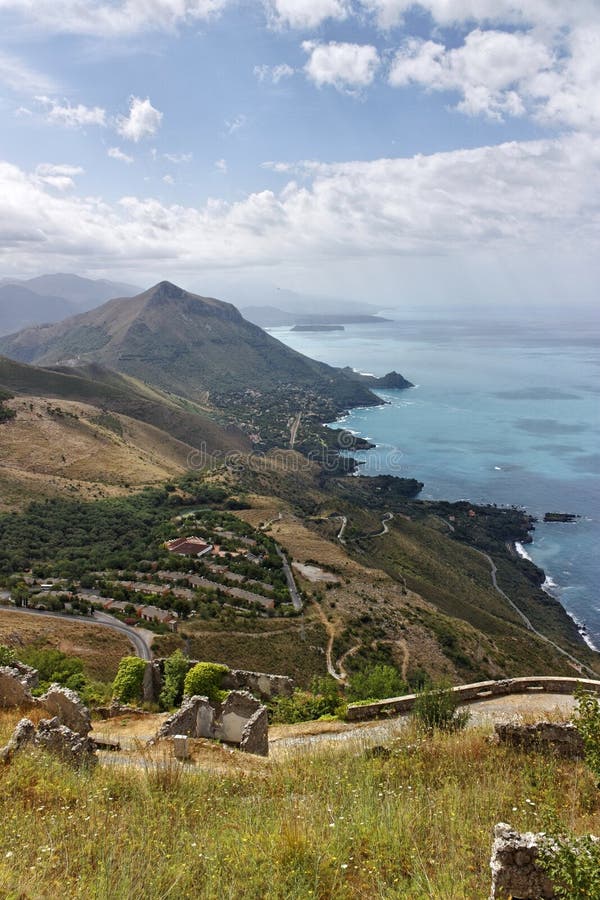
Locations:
474 693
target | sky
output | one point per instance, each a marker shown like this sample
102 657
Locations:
386 151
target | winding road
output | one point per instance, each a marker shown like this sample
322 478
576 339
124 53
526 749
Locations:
527 622
103 620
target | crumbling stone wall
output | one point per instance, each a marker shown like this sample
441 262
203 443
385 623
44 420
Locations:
241 720
72 747
515 870
558 738
263 685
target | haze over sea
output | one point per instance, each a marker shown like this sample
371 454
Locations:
504 411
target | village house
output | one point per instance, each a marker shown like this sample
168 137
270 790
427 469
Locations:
188 546
154 614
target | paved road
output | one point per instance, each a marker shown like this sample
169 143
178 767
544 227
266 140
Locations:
527 622
294 593
101 619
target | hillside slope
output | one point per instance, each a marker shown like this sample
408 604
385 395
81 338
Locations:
194 346
94 432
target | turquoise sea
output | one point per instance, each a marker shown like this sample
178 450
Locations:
503 412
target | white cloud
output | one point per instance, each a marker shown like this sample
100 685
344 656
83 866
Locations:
72 116
546 13
117 153
21 78
345 66
274 73
529 197
221 166
178 158
57 176
236 123
91 17
168 179
490 70
306 14
143 120
500 73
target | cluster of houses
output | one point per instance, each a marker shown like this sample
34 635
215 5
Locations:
145 612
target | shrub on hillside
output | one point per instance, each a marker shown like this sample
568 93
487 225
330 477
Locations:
573 866
127 686
436 708
176 668
7 655
587 722
322 700
377 683
204 680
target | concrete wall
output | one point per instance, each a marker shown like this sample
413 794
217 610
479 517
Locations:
472 693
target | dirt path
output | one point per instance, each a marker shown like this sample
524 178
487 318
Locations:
343 658
294 430
527 622
331 636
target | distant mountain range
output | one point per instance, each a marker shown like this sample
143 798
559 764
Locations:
50 298
195 347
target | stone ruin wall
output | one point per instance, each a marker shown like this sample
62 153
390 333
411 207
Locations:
261 684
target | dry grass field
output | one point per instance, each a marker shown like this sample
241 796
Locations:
99 648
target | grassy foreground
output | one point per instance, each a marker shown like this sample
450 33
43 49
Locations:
344 825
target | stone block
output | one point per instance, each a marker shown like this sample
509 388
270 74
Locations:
255 736
22 735
557 738
181 747
71 746
13 692
515 872
67 706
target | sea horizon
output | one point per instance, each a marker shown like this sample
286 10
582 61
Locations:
489 421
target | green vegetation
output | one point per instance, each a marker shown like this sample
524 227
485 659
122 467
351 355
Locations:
176 668
127 686
436 709
204 680
573 865
323 700
6 413
587 721
7 655
377 683
417 825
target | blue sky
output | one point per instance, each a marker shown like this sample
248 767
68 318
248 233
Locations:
421 152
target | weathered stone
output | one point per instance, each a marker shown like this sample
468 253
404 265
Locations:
71 746
13 691
238 709
194 719
240 720
152 683
255 736
261 684
181 748
27 675
67 706
558 738
117 709
21 736
511 875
